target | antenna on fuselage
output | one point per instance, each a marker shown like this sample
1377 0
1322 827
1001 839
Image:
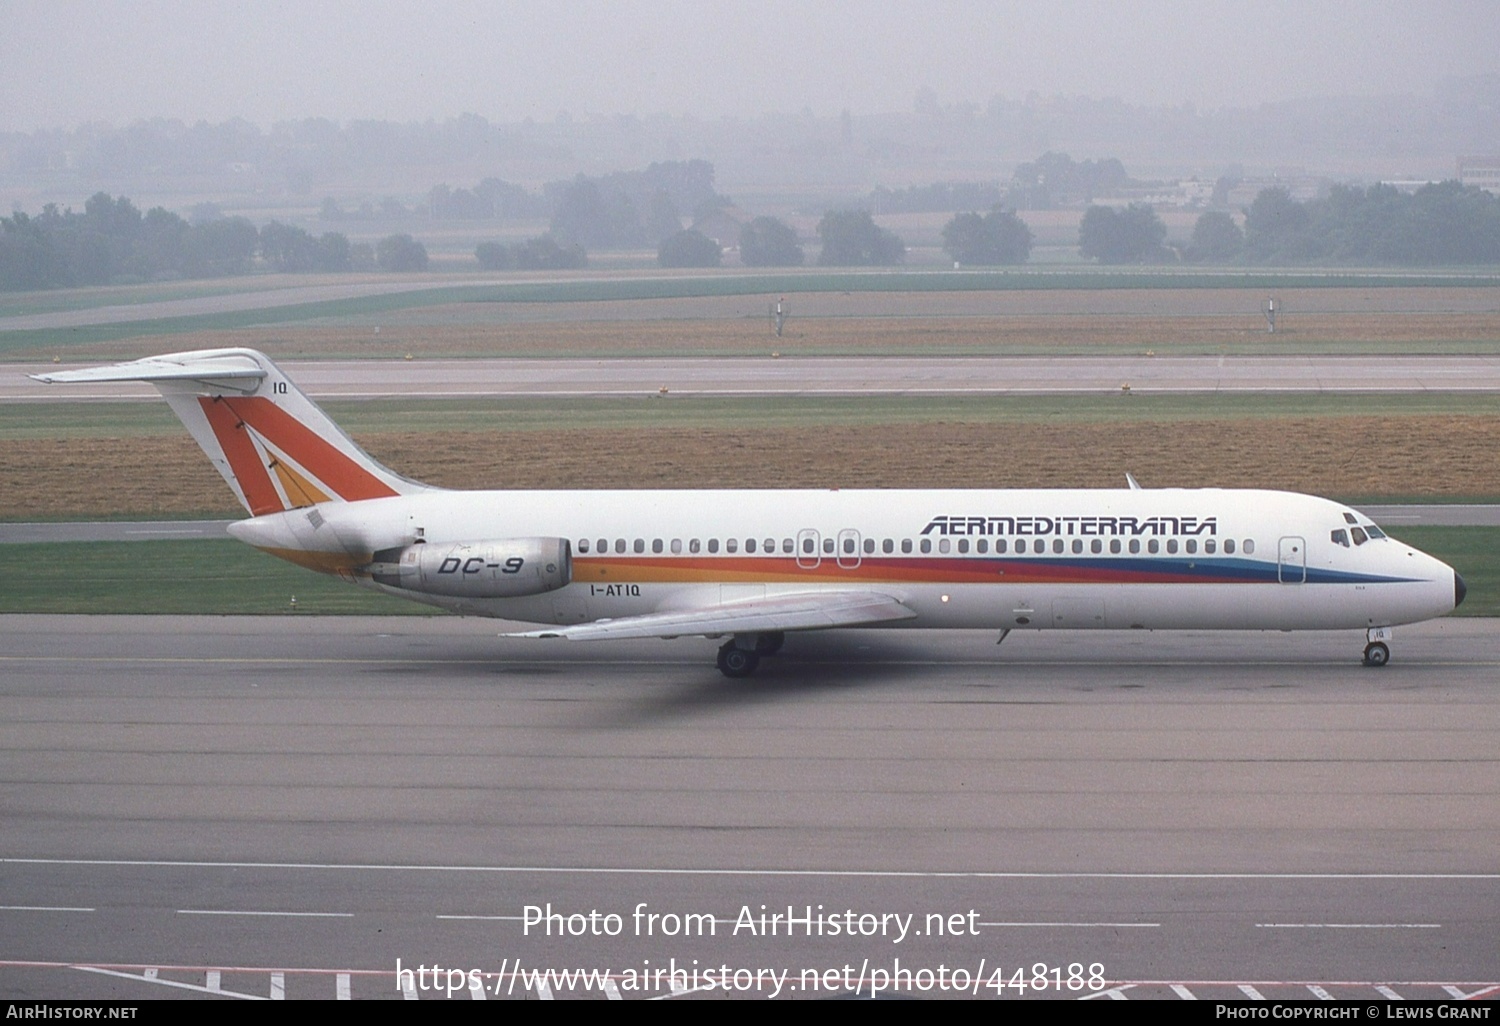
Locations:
1135 485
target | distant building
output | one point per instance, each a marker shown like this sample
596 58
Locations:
1480 172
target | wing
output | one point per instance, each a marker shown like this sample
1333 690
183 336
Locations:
808 611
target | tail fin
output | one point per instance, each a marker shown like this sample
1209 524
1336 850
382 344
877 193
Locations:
274 446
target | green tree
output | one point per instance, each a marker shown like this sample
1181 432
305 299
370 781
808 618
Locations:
1216 238
1277 227
767 242
401 253
494 256
688 249
1130 236
999 237
851 238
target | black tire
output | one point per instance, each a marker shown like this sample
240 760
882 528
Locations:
1377 653
769 644
737 662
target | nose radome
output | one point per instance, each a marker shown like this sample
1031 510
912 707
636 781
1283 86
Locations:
1460 589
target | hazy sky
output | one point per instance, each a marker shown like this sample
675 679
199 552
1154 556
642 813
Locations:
63 62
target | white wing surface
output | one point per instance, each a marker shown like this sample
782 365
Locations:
808 611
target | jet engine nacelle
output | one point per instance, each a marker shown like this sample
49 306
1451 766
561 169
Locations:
505 568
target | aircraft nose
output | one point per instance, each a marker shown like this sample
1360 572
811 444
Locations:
1460 589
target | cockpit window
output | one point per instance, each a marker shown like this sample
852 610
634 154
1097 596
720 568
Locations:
1375 532
1359 535
1349 518
1339 537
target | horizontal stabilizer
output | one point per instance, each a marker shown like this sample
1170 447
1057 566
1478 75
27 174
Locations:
809 611
207 367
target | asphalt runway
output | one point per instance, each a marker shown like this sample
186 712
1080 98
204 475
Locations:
819 376
284 807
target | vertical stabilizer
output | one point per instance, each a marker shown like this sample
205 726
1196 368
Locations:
273 445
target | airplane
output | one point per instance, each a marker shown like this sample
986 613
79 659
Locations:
750 566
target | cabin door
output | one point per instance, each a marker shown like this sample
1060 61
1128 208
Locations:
1291 561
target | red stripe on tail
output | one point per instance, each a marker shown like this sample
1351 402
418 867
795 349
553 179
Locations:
244 459
336 471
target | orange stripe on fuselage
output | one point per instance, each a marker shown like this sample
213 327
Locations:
336 471
244 459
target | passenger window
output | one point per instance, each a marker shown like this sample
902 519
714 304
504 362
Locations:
944 545
640 545
1114 546
807 546
731 545
926 544
869 546
1172 546
1228 546
676 546
1191 545
713 545
656 545
1057 545
827 546
1000 544
1020 545
583 546
788 546
905 544
1339 537
963 545
982 546
1209 546
1135 545
603 545
1359 535
769 547
888 546
1077 546
1249 547
693 545
1096 546
1153 546
749 544
848 546
619 544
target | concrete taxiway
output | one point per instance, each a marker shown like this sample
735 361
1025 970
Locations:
819 376
285 807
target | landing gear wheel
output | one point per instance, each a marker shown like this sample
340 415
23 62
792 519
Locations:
769 644
737 662
1377 653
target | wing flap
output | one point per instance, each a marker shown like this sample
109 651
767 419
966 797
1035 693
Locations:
809 611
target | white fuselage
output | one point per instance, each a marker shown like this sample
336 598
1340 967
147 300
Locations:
1153 559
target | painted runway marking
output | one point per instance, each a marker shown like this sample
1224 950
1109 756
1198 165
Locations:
150 976
1251 993
1388 993
278 986
1319 993
44 908
341 987
250 912
887 874
1350 926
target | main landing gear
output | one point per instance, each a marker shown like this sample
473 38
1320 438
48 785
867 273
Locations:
1377 652
739 656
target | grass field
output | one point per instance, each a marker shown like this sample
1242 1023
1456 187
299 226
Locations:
226 577
112 460
494 303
